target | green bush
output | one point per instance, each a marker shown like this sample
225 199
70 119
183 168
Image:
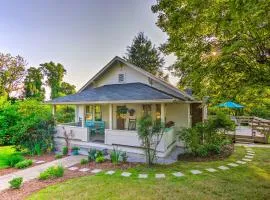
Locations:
65 151
27 124
84 161
93 154
118 156
52 172
100 159
65 114
58 156
24 164
13 159
208 138
16 183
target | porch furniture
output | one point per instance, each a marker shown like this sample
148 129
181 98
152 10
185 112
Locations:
132 124
95 127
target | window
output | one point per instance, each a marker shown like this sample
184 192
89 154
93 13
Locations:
147 109
158 112
93 113
121 78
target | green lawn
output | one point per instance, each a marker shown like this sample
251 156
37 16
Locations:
249 181
5 151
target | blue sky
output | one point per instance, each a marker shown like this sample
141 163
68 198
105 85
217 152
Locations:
82 35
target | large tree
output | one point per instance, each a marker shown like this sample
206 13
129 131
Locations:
12 71
222 47
33 86
67 88
54 74
145 55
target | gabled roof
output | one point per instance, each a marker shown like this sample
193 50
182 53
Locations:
173 90
115 93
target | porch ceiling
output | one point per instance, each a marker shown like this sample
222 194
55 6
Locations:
136 92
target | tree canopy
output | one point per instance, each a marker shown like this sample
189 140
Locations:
12 71
33 85
222 47
145 55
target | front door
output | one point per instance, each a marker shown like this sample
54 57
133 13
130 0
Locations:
120 117
196 113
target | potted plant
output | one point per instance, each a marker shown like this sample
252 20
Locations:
131 111
75 150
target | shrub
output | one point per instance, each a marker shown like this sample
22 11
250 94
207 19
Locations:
92 154
58 156
65 151
24 164
16 183
28 125
52 172
115 156
118 156
209 137
100 159
83 161
14 159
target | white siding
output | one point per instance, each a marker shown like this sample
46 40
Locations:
111 76
178 113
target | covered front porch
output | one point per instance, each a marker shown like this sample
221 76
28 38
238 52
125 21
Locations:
116 124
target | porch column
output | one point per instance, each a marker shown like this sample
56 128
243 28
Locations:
110 116
162 112
76 113
83 115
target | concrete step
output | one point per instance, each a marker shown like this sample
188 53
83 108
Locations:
244 140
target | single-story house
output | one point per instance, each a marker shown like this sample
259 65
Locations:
109 105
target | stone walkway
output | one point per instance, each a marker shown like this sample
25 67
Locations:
33 172
68 162
247 158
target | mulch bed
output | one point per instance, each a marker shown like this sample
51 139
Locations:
46 157
225 153
36 185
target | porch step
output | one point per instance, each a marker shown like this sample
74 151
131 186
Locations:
244 139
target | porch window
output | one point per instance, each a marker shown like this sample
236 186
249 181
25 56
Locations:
147 109
158 112
98 116
93 113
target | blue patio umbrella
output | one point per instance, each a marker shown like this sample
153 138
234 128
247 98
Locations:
230 104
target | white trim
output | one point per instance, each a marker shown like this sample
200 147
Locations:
118 102
116 58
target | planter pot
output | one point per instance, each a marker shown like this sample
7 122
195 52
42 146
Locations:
75 152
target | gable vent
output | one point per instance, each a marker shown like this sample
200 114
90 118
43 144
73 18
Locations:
121 78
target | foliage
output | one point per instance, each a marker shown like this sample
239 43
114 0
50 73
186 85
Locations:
67 88
13 159
146 56
28 125
206 138
24 164
95 155
55 74
64 114
65 150
52 172
222 49
58 156
33 84
150 133
16 183
92 154
12 70
100 159
83 161
118 156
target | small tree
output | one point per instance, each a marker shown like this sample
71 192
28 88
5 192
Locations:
150 133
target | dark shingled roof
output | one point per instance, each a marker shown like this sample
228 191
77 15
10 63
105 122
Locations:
116 92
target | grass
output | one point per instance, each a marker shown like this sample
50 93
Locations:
5 152
249 181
